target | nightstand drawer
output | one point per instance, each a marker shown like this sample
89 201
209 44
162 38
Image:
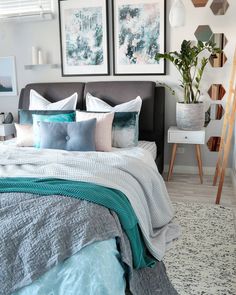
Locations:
189 137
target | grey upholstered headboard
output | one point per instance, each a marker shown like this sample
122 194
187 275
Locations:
151 122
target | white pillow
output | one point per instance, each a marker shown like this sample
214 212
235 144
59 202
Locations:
94 104
38 102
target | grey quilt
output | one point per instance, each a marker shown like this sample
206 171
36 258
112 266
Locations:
37 232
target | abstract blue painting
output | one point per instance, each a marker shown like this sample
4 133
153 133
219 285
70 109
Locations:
84 46
84 36
139 31
139 35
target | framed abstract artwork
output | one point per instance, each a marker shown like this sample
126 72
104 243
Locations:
8 85
138 34
84 37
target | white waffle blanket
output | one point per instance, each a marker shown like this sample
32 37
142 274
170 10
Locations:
131 171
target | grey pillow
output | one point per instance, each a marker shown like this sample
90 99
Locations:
70 136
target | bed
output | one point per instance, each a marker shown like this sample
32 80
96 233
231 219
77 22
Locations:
87 222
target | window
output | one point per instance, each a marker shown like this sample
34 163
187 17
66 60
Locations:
25 8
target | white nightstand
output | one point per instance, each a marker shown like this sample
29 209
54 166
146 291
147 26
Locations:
176 136
7 130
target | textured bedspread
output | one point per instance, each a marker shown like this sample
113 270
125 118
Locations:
132 172
37 232
107 197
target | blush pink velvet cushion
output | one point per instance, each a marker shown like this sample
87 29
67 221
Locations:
103 128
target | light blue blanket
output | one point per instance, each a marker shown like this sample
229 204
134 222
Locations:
96 269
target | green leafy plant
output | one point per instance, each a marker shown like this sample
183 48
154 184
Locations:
191 66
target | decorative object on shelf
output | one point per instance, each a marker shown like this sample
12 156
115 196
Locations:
84 37
34 55
8 85
177 14
219 7
139 33
37 56
199 3
9 119
2 118
40 57
191 65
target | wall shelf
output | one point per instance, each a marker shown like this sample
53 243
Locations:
35 67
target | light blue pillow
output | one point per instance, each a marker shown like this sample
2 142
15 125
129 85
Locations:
73 136
125 129
48 118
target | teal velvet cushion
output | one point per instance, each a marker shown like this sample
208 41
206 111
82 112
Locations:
26 116
48 118
125 129
72 136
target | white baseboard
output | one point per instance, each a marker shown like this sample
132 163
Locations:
180 169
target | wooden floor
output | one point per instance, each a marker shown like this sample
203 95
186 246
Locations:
187 187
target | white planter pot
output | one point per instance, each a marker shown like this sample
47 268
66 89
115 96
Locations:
190 116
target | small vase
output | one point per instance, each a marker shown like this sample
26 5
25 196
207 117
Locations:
34 55
190 116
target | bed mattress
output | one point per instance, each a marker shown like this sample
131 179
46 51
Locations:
149 146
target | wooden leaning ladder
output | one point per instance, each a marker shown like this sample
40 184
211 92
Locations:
227 133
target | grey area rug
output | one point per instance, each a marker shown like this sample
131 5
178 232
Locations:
203 260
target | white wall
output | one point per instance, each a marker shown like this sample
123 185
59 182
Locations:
17 38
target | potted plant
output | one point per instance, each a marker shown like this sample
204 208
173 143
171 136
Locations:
191 63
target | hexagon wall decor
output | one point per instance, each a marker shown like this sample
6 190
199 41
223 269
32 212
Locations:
199 3
215 112
219 7
218 60
213 143
203 33
220 40
216 91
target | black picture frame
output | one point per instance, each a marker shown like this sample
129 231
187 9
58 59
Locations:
142 65
78 56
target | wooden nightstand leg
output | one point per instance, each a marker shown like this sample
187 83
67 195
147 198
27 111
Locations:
173 155
199 161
